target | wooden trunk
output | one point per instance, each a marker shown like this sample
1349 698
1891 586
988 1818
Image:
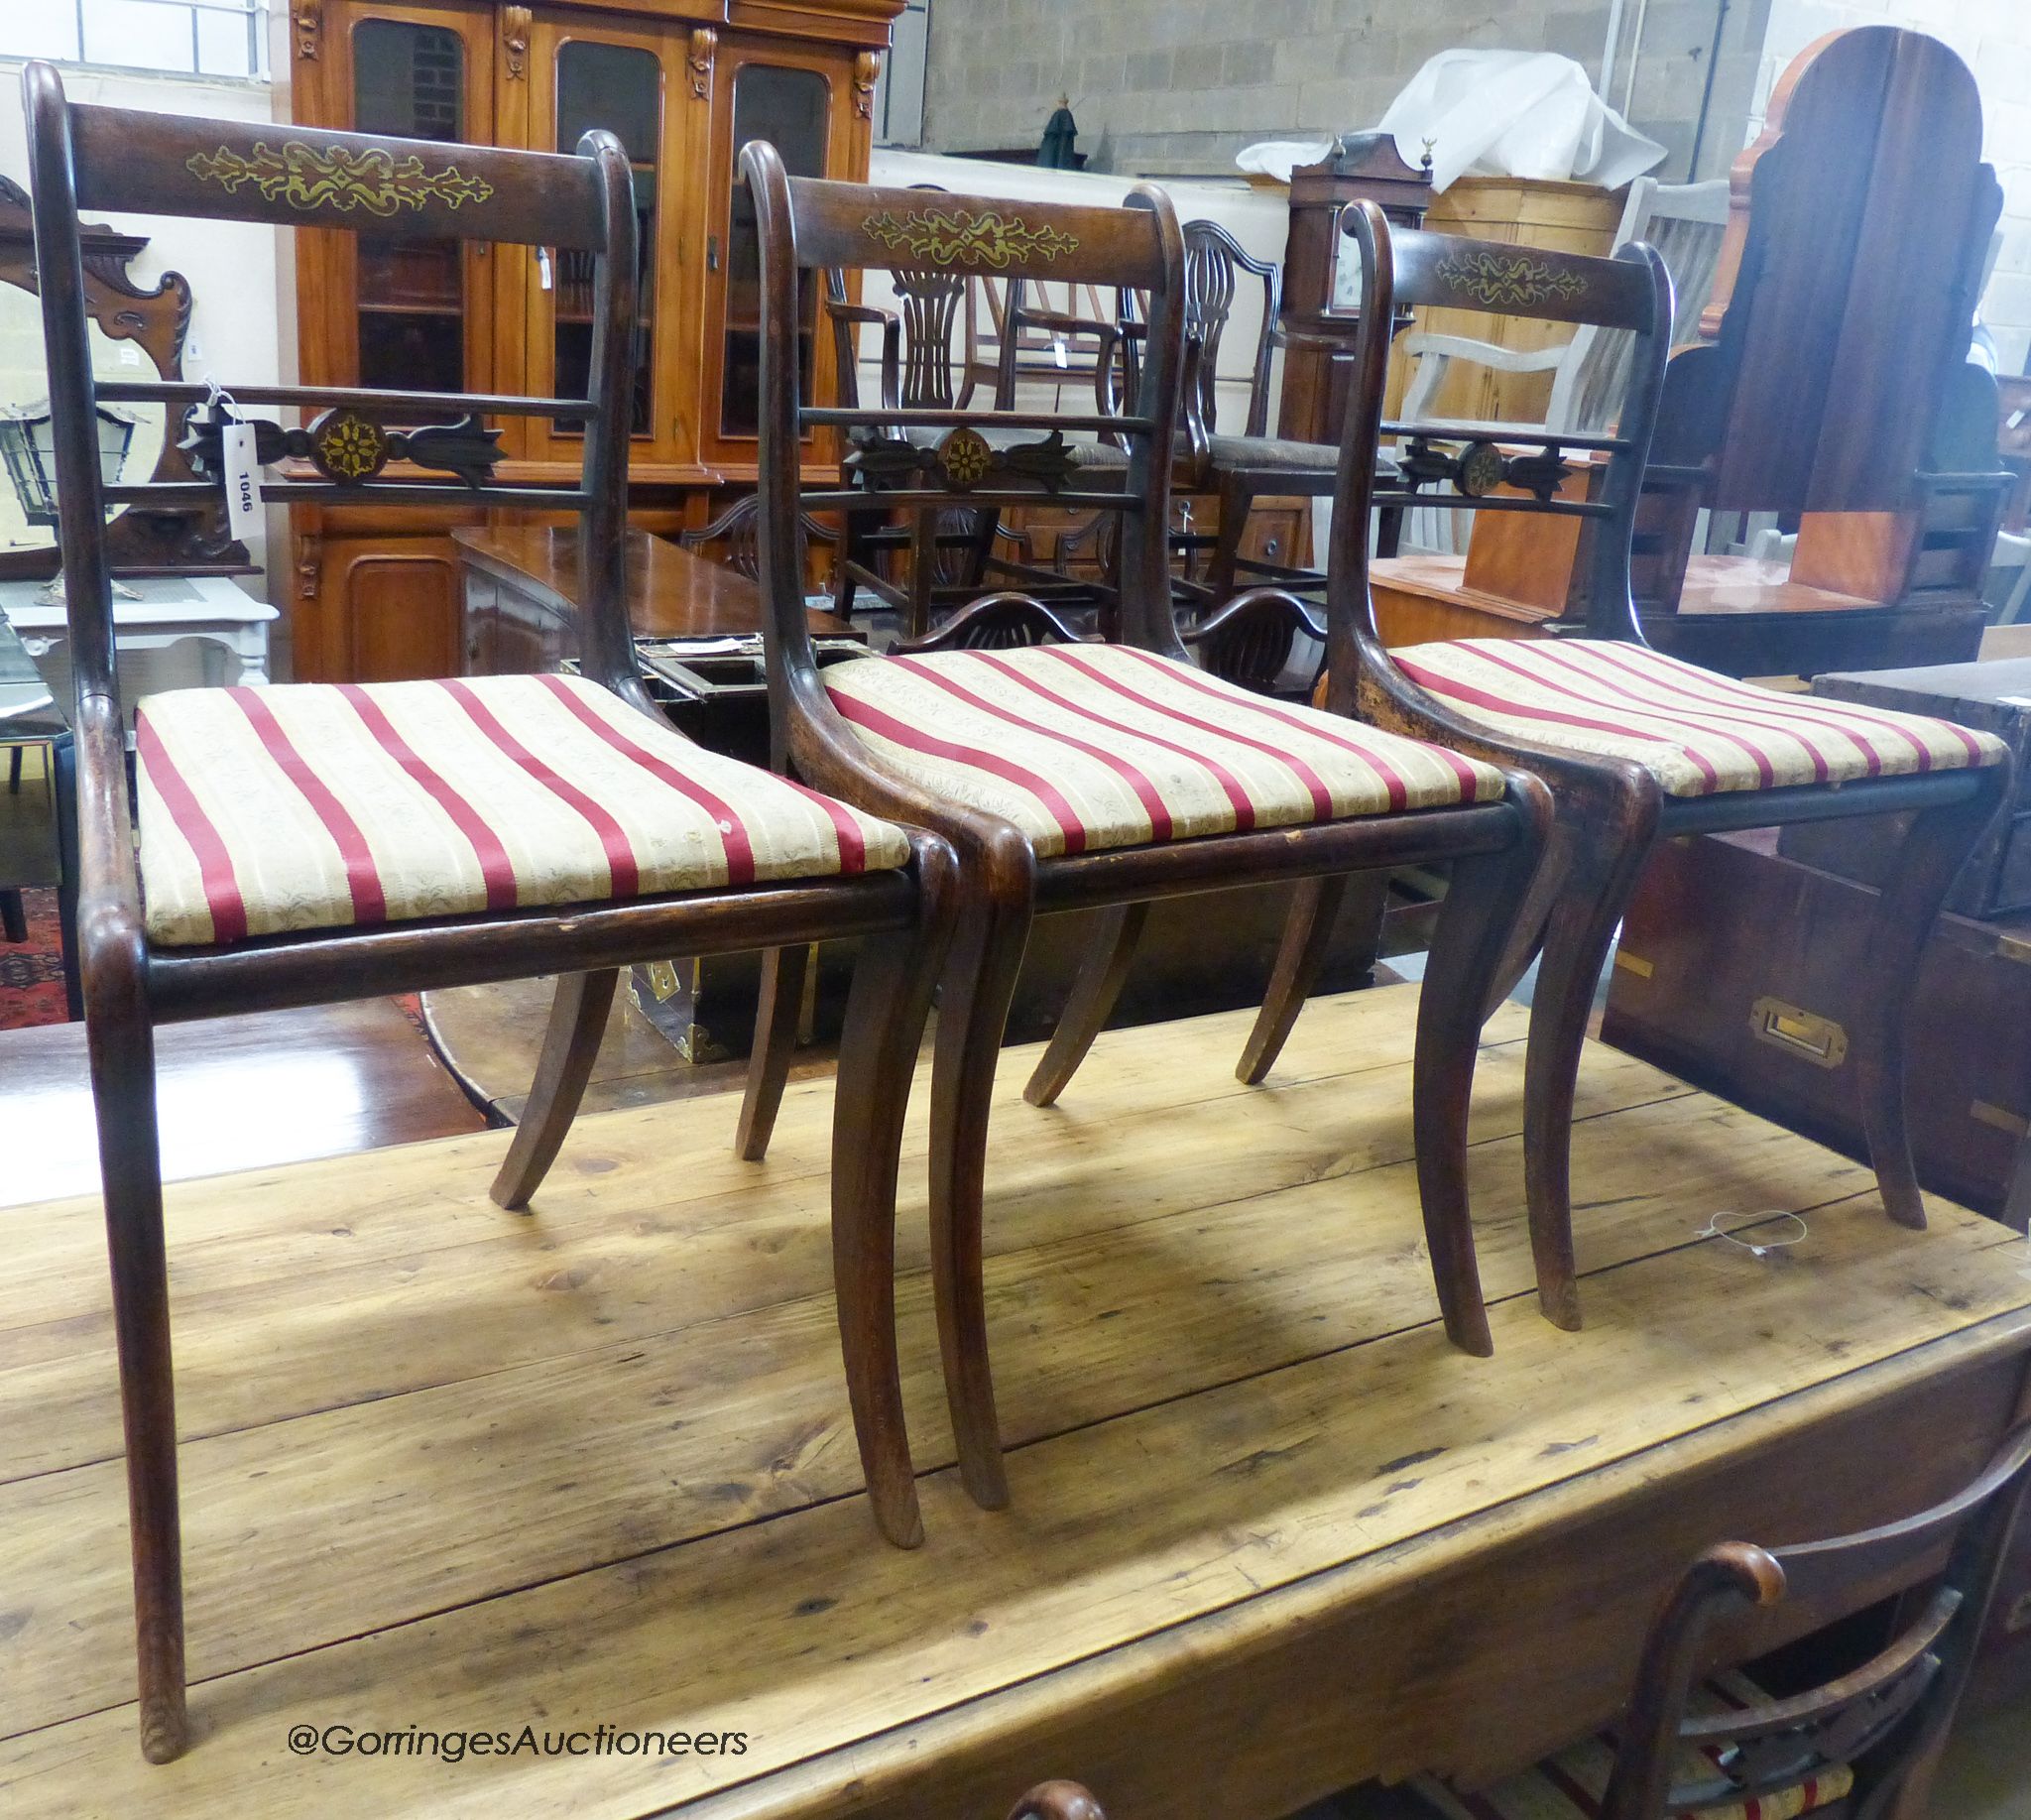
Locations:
1741 970
684 82
1995 697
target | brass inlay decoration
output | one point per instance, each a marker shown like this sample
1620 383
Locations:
1634 963
959 238
967 458
1494 279
1804 1033
515 24
2001 1117
703 45
337 179
308 18
1481 470
349 447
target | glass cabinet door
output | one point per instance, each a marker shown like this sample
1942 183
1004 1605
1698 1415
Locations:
616 79
422 312
796 107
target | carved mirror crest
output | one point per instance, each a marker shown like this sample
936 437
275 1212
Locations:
134 328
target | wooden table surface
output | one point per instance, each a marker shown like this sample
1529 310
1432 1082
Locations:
465 1471
671 592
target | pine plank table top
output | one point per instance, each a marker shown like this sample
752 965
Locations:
451 1469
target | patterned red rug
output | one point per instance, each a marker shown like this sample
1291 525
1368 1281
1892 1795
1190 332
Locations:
32 971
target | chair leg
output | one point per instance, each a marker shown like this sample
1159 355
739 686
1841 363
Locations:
973 1010
1932 852
1102 975
578 1021
14 769
1234 503
1307 935
775 1040
1576 937
13 917
122 1051
1474 934
885 1023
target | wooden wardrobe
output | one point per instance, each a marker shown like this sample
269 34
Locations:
373 595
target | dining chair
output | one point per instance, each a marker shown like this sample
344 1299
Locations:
313 843
1071 775
1694 1744
1637 746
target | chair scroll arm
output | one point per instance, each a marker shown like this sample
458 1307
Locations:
891 326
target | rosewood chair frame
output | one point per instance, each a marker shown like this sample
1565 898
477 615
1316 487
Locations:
1610 811
111 159
1002 883
1884 1718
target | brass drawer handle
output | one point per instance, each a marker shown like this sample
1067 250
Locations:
1820 1040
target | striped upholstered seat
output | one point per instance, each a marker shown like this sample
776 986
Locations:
1570 1785
320 806
1701 733
1090 747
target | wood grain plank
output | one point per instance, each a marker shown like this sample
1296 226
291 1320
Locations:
802 1630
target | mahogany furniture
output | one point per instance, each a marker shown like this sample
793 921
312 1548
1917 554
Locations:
1319 290
1637 746
1736 969
311 843
1859 1747
683 83
1834 380
1102 774
521 589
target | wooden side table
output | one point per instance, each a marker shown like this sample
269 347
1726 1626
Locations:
171 608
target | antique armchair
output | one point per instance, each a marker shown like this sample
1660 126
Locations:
1856 1748
311 843
731 537
1637 746
1098 773
923 361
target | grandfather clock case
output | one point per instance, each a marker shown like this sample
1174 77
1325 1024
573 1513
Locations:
685 83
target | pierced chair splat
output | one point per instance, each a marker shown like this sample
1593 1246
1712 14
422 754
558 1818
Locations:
1635 747
1102 774
311 843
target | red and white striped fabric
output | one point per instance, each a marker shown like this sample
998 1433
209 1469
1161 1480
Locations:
325 806
1087 747
1701 733
1570 1785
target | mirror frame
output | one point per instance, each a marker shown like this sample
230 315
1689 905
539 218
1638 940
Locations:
181 541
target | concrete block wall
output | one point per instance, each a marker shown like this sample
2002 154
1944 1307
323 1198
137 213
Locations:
1994 38
1180 85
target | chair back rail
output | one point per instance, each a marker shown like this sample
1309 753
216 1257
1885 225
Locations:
311 177
116 159
1630 292
808 224
1214 261
1881 1718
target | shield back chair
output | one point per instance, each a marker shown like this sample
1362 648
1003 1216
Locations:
308 844
1637 746
923 361
731 537
1693 1743
1098 773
